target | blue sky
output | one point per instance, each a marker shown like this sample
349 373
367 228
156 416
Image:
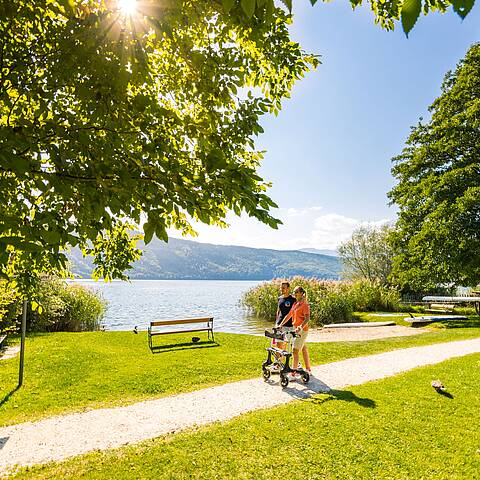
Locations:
337 134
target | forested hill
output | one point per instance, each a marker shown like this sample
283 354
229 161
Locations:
188 260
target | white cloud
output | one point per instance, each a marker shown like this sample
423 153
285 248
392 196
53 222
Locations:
299 212
302 228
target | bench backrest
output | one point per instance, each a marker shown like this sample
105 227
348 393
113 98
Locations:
178 322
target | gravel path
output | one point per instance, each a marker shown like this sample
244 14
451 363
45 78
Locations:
360 334
60 437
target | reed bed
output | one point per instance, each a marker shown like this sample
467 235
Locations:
330 301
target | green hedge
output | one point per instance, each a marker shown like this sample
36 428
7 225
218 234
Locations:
63 307
330 301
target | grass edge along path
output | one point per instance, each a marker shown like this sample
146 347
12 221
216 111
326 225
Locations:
73 372
395 428
60 437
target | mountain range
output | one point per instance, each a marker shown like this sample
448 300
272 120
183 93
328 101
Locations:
188 260
332 253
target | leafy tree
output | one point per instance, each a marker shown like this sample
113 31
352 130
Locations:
438 191
386 12
107 118
368 254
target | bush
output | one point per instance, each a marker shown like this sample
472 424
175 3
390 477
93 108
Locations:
10 308
66 307
263 299
369 296
330 301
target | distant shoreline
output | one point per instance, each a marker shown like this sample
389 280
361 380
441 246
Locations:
189 279
171 280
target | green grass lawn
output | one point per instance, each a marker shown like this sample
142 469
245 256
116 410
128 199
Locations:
396 428
67 372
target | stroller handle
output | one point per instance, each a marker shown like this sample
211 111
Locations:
279 334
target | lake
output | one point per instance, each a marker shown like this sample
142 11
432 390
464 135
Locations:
139 302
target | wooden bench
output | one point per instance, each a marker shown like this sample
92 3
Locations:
441 308
203 325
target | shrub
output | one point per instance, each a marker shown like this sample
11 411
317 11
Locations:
330 301
263 298
66 307
368 296
10 308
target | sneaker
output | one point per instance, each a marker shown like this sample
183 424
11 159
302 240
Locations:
275 368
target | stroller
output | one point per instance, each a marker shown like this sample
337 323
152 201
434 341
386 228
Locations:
278 359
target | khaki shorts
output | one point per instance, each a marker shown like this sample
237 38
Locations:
299 341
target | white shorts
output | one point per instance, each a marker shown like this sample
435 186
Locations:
300 340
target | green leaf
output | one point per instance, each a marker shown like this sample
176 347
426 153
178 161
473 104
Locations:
228 4
21 244
288 4
409 14
462 7
36 307
69 5
50 236
248 6
148 230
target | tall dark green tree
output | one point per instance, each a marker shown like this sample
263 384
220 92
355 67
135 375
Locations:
438 193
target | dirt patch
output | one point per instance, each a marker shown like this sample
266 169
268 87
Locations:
359 334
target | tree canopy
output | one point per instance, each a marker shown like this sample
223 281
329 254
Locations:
368 254
107 118
438 190
386 12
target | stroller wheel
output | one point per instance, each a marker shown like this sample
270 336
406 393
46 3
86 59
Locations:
305 377
266 374
283 381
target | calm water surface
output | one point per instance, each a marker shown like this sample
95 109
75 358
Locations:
141 301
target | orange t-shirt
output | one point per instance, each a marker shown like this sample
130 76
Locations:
299 311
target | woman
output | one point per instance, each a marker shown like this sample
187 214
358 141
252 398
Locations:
300 315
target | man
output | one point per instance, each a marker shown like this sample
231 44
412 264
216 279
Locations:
285 303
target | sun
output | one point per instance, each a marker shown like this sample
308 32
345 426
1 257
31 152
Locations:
127 7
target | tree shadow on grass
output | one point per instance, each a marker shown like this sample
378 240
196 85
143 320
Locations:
346 396
6 398
473 321
174 347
